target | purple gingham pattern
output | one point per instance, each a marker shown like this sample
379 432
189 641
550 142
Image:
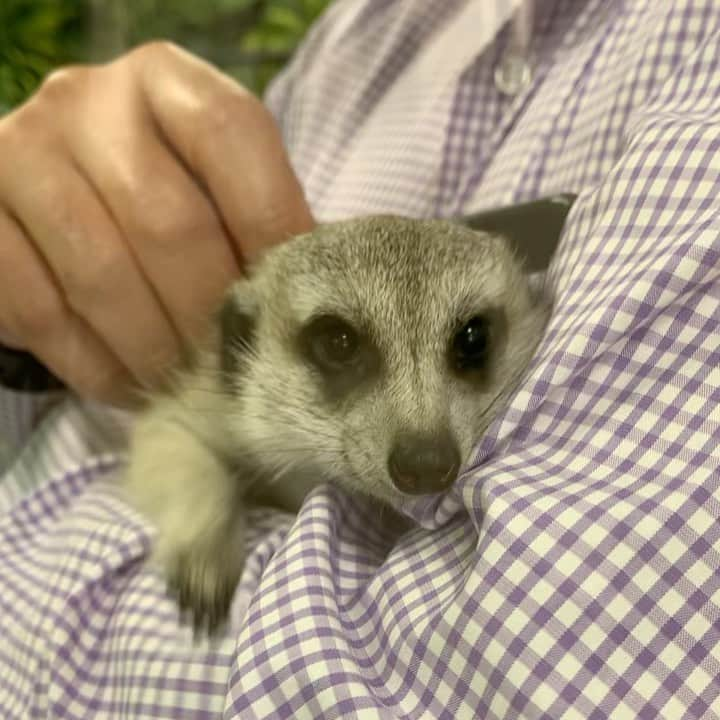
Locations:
574 571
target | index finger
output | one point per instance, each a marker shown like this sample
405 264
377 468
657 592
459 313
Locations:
231 142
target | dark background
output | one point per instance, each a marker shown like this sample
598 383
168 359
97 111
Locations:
250 39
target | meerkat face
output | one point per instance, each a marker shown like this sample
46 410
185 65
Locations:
376 352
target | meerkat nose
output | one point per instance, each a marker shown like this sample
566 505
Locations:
424 464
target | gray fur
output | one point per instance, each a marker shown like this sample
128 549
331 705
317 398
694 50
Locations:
270 418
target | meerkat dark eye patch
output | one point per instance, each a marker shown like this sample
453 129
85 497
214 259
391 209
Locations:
471 344
341 353
475 341
237 329
332 344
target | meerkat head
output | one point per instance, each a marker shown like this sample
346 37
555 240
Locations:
376 352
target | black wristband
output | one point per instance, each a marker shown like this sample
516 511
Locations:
22 372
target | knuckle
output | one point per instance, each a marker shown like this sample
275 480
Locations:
62 217
172 218
232 115
90 262
13 130
275 216
43 112
92 273
233 109
61 83
21 129
153 49
40 316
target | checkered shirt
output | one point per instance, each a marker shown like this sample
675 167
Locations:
573 573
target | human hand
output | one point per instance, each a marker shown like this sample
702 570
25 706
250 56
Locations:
131 194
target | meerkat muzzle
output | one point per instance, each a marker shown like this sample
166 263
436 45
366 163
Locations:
424 464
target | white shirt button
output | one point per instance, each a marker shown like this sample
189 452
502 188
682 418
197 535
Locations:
513 74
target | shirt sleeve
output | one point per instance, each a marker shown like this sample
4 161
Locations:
573 571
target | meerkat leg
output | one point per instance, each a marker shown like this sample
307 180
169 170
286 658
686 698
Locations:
181 482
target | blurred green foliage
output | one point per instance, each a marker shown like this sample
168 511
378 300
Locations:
250 39
35 36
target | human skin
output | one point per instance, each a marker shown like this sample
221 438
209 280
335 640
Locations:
131 195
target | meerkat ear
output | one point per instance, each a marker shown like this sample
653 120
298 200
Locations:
237 321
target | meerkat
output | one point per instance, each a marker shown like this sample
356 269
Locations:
373 353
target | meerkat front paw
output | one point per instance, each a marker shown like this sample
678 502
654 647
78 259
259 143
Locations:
194 501
200 550
203 578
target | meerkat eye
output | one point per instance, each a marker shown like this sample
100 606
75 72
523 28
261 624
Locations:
331 343
470 346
